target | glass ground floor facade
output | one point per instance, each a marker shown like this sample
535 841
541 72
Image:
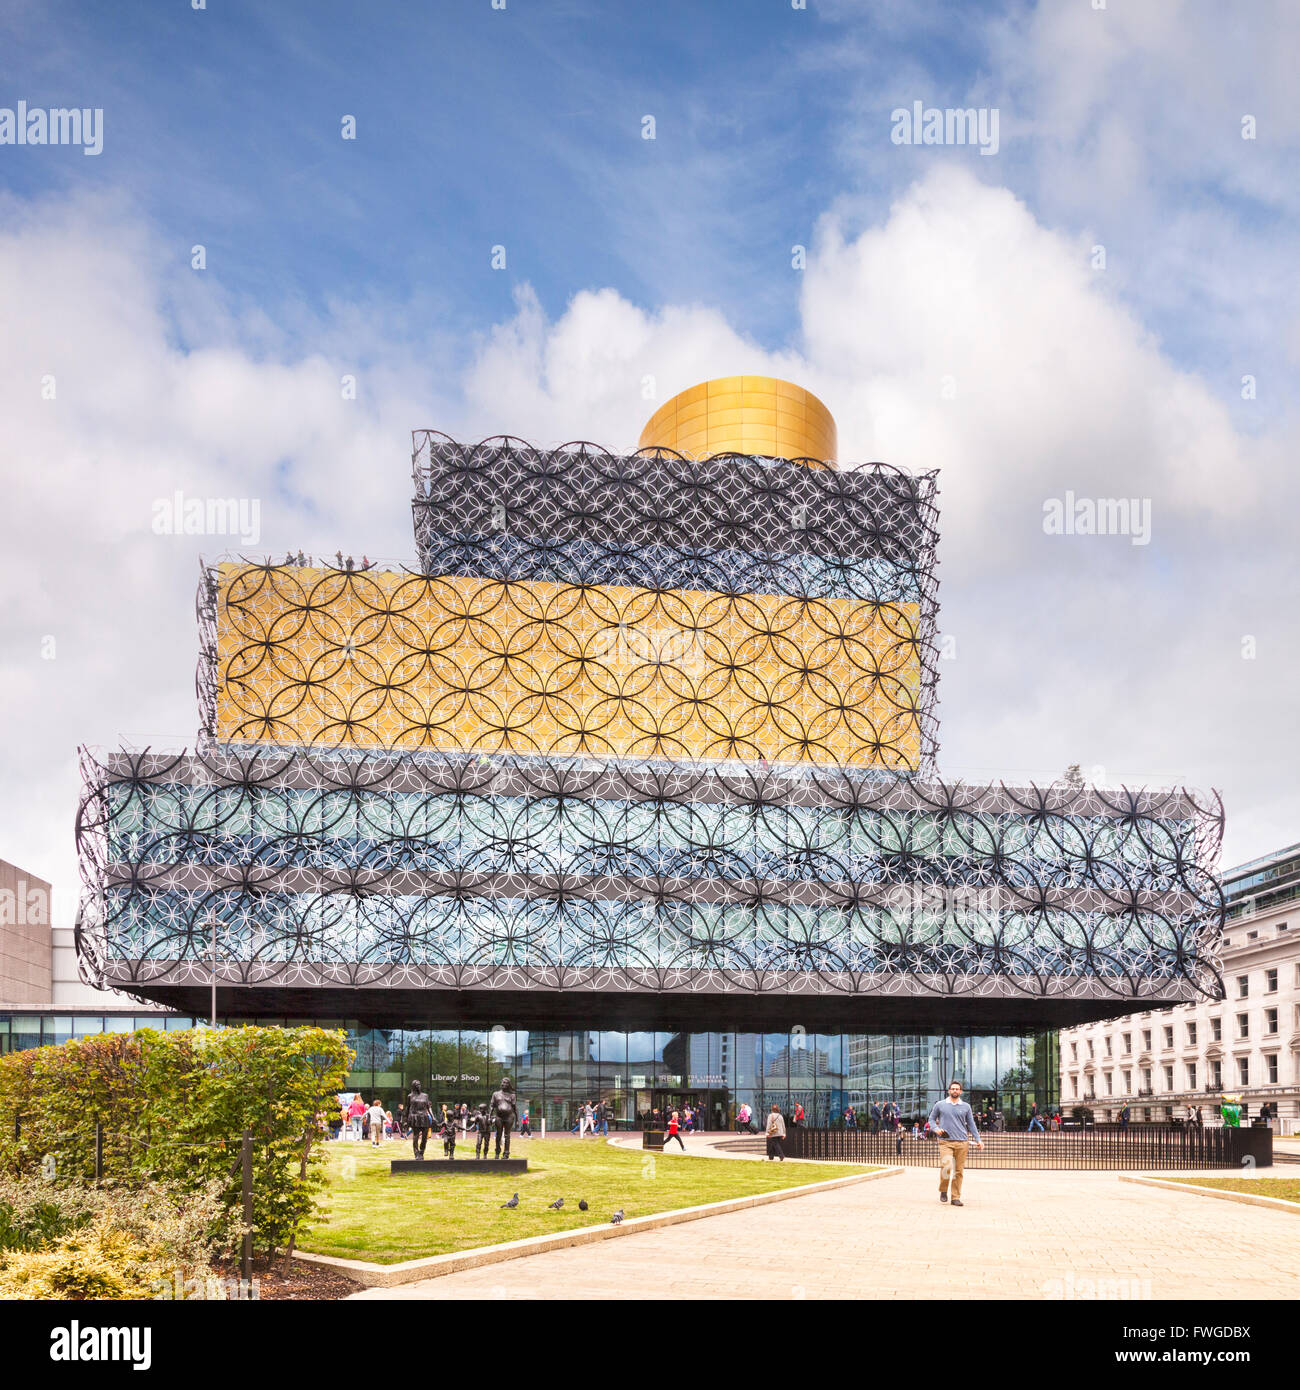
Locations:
633 1073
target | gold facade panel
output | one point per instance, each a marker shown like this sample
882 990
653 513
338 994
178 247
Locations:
395 660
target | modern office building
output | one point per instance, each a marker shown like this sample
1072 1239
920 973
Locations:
1163 1062
628 785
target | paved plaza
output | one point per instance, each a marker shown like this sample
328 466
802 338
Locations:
1020 1235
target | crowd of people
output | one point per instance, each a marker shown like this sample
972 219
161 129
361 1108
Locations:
593 1118
371 1122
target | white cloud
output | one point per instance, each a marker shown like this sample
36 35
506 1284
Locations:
1069 648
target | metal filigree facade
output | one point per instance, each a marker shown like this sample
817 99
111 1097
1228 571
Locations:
639 729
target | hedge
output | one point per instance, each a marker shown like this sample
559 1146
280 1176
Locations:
173 1107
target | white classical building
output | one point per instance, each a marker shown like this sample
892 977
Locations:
1165 1062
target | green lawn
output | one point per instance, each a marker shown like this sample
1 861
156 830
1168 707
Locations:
371 1215
1286 1188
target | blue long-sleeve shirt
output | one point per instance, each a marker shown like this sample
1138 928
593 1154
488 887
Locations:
956 1120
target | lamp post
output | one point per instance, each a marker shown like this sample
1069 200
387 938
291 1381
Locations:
214 968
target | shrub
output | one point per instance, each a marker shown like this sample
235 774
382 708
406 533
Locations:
174 1107
75 1241
34 1214
100 1262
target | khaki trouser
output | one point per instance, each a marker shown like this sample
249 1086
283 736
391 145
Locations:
952 1162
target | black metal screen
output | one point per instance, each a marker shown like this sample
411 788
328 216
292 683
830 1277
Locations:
1140 1147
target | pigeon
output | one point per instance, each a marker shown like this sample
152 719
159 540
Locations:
582 1204
511 1204
617 1217
556 1205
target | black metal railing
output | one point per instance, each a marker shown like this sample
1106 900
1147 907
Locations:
1138 1147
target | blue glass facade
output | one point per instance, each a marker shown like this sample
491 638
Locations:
634 1071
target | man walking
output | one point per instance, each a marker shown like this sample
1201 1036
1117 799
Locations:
954 1123
776 1135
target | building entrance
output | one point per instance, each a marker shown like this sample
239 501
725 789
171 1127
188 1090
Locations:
709 1107
981 1101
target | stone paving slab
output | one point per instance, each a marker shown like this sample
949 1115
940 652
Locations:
1022 1235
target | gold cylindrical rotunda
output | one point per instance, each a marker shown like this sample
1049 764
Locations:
745 415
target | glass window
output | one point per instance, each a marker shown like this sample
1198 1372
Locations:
983 1074
524 1067
1191 1034
1216 1030
409 1055
831 1095
614 1092
87 1025
1191 1076
1128 1042
776 1070
1270 1020
1169 1037
807 1063
476 1076
642 1068
1243 986
1243 1067
1243 1025
1169 1078
586 1074
1271 1062
1270 981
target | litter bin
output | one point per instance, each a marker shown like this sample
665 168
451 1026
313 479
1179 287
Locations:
652 1139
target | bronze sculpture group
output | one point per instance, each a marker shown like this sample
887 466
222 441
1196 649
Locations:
496 1117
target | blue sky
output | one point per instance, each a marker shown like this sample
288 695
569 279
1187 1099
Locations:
522 127
637 267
